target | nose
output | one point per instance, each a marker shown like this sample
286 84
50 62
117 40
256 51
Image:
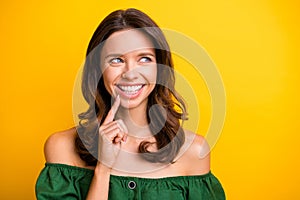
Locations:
130 71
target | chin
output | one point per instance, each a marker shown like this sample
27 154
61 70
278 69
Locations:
131 104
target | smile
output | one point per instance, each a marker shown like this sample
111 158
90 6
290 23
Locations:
130 89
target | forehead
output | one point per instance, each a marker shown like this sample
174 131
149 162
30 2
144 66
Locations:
126 41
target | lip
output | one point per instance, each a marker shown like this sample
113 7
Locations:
129 91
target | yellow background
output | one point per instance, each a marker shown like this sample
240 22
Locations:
255 45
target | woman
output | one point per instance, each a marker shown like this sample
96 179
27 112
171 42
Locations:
129 143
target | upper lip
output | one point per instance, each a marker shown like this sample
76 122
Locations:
129 84
130 87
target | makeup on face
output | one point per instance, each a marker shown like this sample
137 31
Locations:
129 66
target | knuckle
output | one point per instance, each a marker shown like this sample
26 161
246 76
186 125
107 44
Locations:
120 121
101 132
117 130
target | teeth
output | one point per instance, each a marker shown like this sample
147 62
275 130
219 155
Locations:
130 89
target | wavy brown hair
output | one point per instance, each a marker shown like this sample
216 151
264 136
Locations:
169 138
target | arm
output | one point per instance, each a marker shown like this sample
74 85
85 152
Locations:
100 183
111 133
59 148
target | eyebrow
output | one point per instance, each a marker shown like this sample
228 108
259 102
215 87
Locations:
119 54
113 55
146 54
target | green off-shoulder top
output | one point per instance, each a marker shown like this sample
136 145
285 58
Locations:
59 181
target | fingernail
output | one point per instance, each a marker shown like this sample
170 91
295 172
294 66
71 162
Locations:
124 139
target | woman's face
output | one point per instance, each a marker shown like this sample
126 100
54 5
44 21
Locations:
128 63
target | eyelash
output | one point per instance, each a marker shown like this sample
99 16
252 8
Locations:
120 60
148 59
112 61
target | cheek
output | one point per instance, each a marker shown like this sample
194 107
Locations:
154 75
150 73
108 78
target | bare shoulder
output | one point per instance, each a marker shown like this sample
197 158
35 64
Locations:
199 144
60 148
197 151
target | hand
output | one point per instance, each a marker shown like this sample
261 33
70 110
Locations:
111 135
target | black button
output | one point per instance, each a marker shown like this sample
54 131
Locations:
131 184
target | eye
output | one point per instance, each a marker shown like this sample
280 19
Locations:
145 59
115 61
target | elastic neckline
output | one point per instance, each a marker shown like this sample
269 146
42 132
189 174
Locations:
59 165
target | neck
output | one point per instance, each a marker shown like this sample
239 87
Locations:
135 120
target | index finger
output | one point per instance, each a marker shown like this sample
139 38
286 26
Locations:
112 112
